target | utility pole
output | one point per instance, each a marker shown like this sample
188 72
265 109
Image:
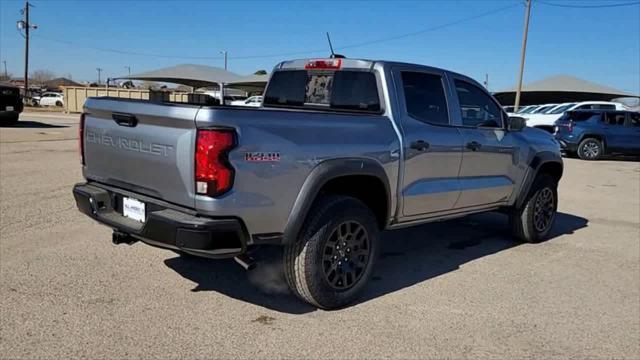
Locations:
224 52
99 71
128 69
26 26
486 81
6 75
522 55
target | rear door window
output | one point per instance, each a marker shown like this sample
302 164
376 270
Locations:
342 90
614 119
634 119
424 97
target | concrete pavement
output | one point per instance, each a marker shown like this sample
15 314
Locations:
457 289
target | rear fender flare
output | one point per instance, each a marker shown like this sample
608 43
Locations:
319 176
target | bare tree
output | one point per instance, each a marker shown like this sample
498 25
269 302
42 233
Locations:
42 76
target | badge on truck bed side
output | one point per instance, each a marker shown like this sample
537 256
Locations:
262 156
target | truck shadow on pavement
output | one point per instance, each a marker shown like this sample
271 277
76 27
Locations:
32 125
407 257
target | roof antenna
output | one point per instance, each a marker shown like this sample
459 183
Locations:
333 54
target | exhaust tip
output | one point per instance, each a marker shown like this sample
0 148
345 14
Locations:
246 262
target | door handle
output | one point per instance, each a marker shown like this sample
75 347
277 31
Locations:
420 145
128 120
474 145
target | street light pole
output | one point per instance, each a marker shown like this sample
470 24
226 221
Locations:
522 55
224 52
6 75
99 71
128 69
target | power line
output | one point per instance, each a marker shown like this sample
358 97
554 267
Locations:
124 52
590 6
292 53
434 28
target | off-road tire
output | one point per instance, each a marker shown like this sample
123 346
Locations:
523 219
588 146
303 257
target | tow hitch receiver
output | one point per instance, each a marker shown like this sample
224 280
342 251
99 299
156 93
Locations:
122 238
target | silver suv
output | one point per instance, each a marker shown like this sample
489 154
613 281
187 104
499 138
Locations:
341 150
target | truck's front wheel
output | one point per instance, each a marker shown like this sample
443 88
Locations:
331 261
533 221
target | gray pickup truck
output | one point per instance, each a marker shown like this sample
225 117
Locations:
341 150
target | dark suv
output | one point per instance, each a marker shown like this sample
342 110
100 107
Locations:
593 133
10 103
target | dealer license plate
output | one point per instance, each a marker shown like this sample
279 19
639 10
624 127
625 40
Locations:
133 209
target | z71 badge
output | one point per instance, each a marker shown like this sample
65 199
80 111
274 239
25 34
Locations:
262 156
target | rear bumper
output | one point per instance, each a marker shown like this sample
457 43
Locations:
567 146
166 226
9 114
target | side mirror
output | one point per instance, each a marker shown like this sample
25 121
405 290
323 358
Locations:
516 123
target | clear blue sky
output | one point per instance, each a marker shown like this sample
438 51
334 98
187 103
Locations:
597 44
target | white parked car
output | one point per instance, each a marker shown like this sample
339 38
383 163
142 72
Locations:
523 110
546 121
544 109
253 101
51 99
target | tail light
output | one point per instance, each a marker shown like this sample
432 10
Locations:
567 125
213 173
81 138
332 64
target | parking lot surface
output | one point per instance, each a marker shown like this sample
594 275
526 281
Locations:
457 289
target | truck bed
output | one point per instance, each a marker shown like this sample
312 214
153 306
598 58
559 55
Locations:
148 148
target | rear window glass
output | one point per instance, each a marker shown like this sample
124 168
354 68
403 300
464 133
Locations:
528 110
6 91
561 109
542 109
335 90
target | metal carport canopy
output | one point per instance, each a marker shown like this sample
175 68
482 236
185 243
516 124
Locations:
197 76
251 83
559 89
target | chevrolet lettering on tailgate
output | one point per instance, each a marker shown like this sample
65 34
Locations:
128 144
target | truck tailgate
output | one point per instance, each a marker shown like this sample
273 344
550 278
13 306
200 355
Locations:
142 147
